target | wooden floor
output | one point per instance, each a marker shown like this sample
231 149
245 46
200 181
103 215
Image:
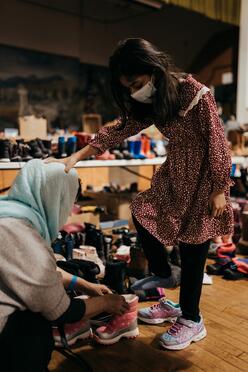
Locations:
225 309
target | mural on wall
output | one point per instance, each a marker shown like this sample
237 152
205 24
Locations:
59 88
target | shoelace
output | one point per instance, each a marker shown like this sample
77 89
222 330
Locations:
175 328
155 306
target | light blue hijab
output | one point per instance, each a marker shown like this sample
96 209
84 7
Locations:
43 195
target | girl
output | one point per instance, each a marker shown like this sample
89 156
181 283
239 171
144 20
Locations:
189 196
32 297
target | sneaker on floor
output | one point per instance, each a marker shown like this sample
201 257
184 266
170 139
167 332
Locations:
164 311
156 281
80 330
182 333
124 325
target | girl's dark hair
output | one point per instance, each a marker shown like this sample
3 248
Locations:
134 57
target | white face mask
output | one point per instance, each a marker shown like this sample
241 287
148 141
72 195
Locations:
144 95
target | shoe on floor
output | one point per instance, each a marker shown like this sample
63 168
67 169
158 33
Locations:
156 281
80 330
124 325
182 333
164 311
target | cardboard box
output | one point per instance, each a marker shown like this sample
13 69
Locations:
93 218
31 127
117 204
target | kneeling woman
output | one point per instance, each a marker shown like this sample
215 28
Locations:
32 296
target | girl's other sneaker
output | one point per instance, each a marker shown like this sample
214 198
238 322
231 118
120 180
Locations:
182 333
164 311
124 325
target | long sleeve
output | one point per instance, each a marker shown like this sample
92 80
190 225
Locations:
218 152
29 277
110 135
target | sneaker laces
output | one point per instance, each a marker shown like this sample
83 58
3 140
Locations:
155 307
175 328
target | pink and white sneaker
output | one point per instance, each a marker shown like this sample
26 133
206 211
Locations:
124 325
164 311
73 332
182 333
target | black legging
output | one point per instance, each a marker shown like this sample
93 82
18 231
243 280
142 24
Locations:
193 258
26 343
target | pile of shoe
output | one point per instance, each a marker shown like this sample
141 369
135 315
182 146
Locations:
19 150
226 262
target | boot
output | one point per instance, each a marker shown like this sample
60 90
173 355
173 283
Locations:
4 151
107 240
94 238
71 145
138 266
35 149
69 242
15 153
115 275
80 330
48 146
25 152
61 148
43 149
124 325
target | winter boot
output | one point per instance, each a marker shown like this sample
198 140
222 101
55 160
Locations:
80 330
35 149
115 275
15 153
71 145
4 151
124 325
25 151
94 238
61 147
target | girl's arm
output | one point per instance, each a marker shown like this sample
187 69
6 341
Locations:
107 137
218 151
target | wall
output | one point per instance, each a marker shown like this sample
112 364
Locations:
180 32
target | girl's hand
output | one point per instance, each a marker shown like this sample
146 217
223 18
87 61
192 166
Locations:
69 162
217 203
93 290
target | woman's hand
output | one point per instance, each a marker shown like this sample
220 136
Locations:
115 304
69 162
217 203
93 289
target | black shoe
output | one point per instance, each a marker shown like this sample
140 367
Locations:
107 241
115 275
25 152
4 151
94 238
35 149
82 268
43 149
48 146
233 274
15 153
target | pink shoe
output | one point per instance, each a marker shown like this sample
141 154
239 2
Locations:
80 330
120 325
164 311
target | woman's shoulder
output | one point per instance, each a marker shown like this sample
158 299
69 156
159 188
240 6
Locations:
19 229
